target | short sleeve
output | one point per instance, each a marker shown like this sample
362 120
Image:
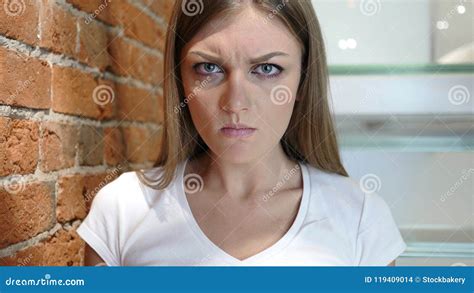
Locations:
99 228
379 241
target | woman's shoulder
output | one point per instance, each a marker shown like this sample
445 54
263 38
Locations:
127 190
348 199
123 183
336 186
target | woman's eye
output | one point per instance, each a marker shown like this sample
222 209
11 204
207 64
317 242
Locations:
207 68
268 70
265 70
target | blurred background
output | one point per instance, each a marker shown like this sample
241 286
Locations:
81 101
402 78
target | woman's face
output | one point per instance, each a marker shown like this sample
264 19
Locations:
240 77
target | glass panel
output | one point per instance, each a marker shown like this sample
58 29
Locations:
394 32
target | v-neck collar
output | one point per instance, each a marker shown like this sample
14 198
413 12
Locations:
264 254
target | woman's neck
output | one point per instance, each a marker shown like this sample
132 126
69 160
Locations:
244 180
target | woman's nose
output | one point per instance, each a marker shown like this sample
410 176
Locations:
235 98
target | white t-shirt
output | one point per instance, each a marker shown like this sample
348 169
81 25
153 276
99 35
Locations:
337 224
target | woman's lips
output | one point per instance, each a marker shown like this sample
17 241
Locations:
237 132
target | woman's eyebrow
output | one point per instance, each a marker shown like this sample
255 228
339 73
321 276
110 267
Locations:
268 56
254 60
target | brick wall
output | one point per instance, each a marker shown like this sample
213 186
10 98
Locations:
80 102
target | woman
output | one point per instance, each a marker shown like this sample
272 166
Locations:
250 172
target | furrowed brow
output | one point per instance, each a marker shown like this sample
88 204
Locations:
219 60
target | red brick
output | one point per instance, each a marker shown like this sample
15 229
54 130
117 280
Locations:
142 145
25 213
91 148
135 147
128 60
18 146
19 20
108 11
120 55
93 45
76 192
73 193
73 93
86 5
64 248
128 16
58 29
135 104
113 146
58 144
25 81
147 67
135 20
162 8
71 204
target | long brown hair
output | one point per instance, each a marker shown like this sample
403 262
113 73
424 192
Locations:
310 136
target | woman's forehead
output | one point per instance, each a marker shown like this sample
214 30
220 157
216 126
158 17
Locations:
250 37
249 22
